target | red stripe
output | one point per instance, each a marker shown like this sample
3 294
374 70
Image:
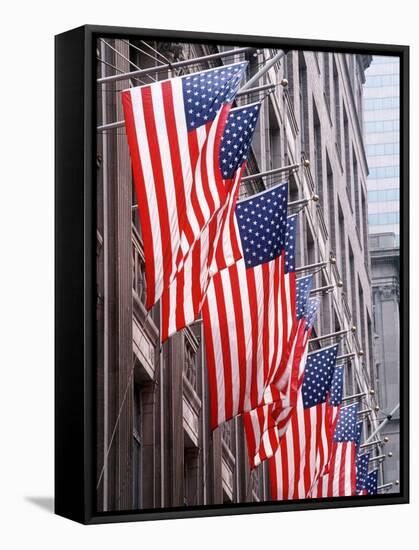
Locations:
265 323
211 368
194 156
241 341
307 450
180 311
284 473
331 471
140 189
159 182
224 336
273 479
195 273
250 438
342 470
353 468
253 308
297 452
165 311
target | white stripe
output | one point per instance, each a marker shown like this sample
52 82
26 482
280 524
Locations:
217 351
337 470
140 129
167 167
247 328
232 338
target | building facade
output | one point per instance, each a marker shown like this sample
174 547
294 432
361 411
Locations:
382 143
155 447
382 138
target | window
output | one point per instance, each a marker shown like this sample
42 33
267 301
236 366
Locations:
384 172
318 156
380 103
137 450
331 203
384 195
382 149
380 80
356 190
326 78
384 218
352 283
274 158
302 74
342 242
336 93
347 154
382 126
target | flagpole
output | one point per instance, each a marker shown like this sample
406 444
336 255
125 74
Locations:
383 423
175 65
277 57
121 123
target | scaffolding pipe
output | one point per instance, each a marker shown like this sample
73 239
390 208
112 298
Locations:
170 66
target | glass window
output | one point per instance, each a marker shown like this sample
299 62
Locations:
383 195
380 103
383 172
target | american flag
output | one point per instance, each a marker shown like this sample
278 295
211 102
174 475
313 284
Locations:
359 427
265 425
295 466
371 484
362 463
219 244
341 479
174 130
334 402
244 310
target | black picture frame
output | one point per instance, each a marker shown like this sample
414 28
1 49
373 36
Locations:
75 274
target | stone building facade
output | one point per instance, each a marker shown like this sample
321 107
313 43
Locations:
154 445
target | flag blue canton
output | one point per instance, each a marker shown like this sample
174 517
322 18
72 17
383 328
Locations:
318 376
204 93
358 435
362 462
262 222
311 312
346 424
336 390
290 239
372 482
237 137
302 292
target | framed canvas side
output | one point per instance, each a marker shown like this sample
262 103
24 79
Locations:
75 289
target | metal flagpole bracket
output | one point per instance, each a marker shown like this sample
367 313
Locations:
383 423
379 442
288 168
277 57
332 335
309 267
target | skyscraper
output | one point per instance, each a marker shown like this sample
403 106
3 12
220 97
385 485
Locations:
382 139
